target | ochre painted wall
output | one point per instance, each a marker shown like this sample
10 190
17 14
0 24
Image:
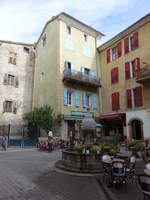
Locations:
143 52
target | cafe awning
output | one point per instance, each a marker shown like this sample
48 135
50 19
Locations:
112 117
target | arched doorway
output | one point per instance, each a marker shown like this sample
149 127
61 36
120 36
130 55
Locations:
136 127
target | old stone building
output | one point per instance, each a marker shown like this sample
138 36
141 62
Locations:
16 81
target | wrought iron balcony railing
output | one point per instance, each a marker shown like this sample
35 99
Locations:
143 75
77 77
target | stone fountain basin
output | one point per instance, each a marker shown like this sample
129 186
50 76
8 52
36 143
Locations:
76 162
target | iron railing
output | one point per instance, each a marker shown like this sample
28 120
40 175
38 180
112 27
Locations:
73 76
143 75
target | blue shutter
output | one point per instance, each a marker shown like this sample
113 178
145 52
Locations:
65 96
94 101
91 72
84 99
82 70
77 98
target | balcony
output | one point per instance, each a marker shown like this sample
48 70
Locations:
77 77
143 76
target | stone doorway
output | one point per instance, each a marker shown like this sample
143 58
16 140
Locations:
136 128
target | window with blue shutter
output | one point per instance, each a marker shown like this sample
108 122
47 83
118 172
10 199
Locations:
65 96
91 72
77 98
84 99
94 101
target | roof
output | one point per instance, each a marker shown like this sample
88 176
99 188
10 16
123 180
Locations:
142 21
17 43
59 16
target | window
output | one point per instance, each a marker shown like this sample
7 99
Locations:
131 43
26 49
8 106
69 30
134 97
12 58
11 80
88 100
41 76
86 71
68 65
85 37
69 44
114 53
44 40
69 98
132 69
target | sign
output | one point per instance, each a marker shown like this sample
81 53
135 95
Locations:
82 114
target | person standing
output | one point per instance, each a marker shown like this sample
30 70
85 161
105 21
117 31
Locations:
4 142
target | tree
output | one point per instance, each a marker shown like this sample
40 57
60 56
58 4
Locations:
39 117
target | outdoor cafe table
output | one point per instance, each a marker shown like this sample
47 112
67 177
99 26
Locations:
114 160
147 172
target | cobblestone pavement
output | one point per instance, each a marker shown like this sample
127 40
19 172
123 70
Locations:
28 175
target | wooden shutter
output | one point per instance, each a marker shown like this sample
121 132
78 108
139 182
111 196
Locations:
16 82
65 96
139 97
84 99
91 72
136 40
112 76
77 98
127 70
117 101
108 55
116 75
129 98
5 79
113 101
137 65
119 49
4 106
126 45
15 107
94 101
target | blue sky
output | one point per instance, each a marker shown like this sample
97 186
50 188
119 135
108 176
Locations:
23 21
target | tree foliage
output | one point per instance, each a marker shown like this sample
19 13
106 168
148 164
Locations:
39 117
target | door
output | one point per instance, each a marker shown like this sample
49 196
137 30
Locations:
136 130
71 129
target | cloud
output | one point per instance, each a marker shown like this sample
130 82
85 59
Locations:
24 20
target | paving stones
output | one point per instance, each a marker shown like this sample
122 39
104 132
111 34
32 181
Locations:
27 175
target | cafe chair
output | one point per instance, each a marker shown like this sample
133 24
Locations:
106 161
130 168
118 173
144 182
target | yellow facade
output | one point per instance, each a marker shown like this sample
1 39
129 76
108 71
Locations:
107 88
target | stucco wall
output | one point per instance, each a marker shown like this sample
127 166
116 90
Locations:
78 59
47 62
107 88
143 116
24 70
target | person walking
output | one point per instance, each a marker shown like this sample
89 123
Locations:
4 142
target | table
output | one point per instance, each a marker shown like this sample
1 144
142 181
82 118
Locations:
147 172
118 160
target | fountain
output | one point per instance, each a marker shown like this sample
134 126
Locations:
83 159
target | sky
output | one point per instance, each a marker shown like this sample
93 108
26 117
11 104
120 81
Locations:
23 20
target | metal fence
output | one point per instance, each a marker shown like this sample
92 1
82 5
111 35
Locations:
17 135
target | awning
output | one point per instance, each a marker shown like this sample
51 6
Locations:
112 117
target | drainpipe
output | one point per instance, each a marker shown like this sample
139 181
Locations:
125 87
98 69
